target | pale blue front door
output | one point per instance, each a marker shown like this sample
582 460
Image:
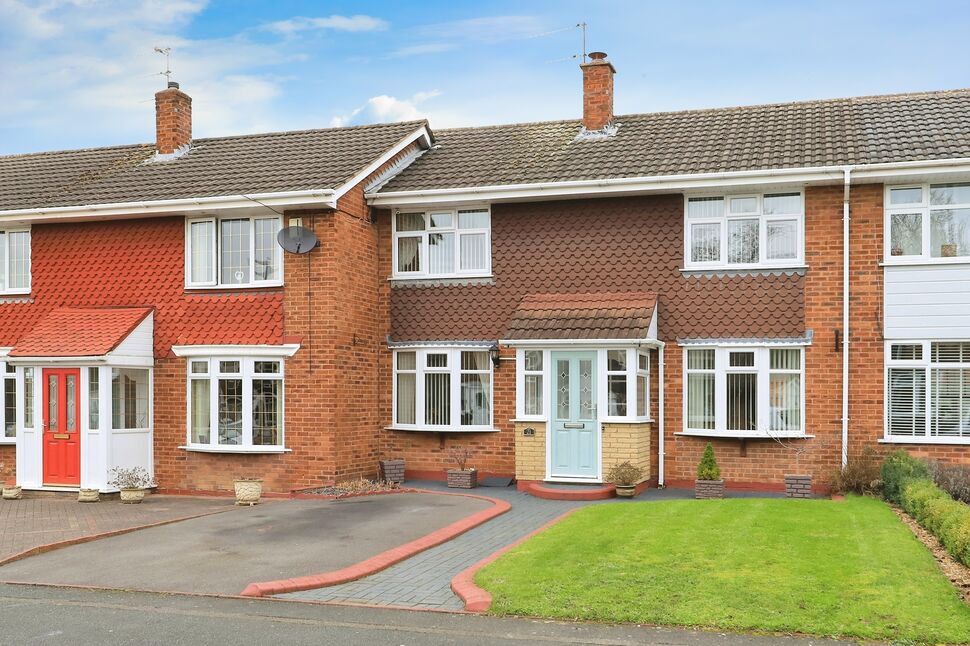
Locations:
574 449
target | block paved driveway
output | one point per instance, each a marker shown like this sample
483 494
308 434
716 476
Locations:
224 553
30 522
424 580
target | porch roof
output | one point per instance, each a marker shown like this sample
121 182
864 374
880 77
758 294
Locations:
80 332
600 315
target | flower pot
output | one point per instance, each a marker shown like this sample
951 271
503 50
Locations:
132 496
798 486
88 495
12 492
248 492
708 489
626 491
462 478
838 497
948 250
392 471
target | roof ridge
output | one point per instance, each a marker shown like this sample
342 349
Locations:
374 126
41 153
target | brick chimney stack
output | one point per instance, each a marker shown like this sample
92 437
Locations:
597 91
173 119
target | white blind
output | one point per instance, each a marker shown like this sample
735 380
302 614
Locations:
907 394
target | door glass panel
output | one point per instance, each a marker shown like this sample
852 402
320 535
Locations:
586 389
52 402
562 386
230 411
71 404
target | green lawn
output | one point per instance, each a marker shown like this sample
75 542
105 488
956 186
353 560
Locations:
810 566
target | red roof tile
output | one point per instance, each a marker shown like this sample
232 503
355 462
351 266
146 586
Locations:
80 332
604 315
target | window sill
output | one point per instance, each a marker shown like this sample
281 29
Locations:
926 262
432 429
734 435
958 441
232 288
528 420
434 281
732 270
626 420
15 292
8 441
236 449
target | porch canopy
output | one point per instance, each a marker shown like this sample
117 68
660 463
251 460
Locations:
91 334
589 317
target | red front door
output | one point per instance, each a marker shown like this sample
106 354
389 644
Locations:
62 439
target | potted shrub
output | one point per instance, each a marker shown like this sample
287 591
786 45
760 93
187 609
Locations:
88 495
461 478
709 483
392 471
10 489
132 482
625 477
248 490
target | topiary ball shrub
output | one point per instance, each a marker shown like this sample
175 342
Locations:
899 468
708 469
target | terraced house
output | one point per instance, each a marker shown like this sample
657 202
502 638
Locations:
789 282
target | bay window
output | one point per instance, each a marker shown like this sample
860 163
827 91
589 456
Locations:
744 231
443 389
928 391
233 252
744 392
928 223
442 243
235 404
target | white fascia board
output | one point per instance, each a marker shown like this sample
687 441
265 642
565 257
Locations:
467 345
284 350
667 183
5 351
577 343
79 360
421 135
314 197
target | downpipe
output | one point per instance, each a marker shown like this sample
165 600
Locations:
846 216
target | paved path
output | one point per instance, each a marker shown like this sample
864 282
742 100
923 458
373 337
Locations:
424 580
31 521
224 553
41 615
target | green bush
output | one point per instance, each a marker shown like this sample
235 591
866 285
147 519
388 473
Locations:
708 469
899 468
946 518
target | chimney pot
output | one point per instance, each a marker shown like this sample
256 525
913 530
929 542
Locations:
173 119
173 84
597 91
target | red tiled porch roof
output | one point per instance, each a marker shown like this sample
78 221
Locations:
80 332
603 315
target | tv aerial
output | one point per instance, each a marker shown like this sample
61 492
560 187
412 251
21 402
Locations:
297 239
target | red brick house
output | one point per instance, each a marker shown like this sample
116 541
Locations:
558 296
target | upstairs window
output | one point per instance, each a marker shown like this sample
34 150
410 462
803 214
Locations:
15 261
744 231
233 252
442 243
928 223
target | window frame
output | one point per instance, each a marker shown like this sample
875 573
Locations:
762 368
454 369
925 210
17 377
726 216
927 365
215 249
424 255
247 374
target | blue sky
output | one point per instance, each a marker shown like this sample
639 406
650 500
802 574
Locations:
80 73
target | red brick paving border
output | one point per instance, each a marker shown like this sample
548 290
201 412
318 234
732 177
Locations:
477 599
385 559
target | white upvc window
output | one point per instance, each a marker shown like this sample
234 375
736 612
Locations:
744 231
233 252
14 261
443 389
131 396
927 223
442 243
744 391
235 404
928 392
8 395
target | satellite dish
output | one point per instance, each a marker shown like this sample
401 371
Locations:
297 239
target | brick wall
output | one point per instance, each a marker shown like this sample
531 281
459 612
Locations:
530 451
8 457
622 442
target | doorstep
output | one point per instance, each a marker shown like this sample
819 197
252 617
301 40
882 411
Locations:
566 491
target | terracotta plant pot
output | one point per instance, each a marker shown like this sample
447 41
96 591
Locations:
248 492
462 479
704 489
88 495
948 250
132 496
392 470
12 492
626 491
798 486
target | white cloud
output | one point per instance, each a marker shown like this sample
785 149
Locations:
335 22
384 109
420 50
488 29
